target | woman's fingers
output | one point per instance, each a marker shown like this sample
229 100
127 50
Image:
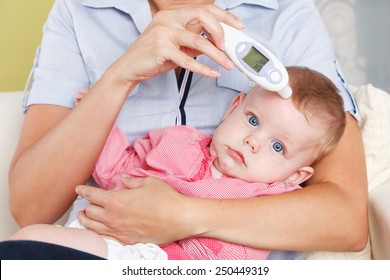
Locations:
94 195
183 25
137 215
103 214
173 38
203 45
203 18
91 223
181 57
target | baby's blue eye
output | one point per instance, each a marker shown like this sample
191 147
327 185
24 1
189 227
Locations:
277 146
253 120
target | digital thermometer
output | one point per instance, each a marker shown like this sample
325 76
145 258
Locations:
257 62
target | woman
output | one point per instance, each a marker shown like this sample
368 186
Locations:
83 45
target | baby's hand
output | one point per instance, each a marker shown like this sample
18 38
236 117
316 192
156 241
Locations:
80 95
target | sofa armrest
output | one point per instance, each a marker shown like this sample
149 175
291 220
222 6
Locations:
11 118
379 221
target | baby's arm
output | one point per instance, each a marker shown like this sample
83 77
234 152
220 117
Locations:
116 158
80 239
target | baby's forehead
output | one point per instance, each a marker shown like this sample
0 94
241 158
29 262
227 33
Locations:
263 98
257 89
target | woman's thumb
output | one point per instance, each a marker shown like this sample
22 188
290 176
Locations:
131 182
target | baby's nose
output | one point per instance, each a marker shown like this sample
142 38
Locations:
252 142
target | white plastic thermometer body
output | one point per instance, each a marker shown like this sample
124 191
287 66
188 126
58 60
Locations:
257 62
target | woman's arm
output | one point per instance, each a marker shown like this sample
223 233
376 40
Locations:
329 214
57 150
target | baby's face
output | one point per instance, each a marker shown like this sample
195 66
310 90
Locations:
264 139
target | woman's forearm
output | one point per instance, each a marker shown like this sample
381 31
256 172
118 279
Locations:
57 151
286 221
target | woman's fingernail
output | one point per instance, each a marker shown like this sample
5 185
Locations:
215 73
229 64
240 23
222 45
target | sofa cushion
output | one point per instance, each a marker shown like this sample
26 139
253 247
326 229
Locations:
374 107
11 118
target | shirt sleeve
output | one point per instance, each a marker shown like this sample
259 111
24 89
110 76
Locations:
58 72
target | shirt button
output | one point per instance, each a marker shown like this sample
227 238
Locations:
174 108
251 84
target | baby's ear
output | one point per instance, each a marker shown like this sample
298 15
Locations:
235 102
300 176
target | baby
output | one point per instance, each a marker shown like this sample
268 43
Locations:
265 145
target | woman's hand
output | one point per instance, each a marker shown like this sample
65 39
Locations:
172 39
136 215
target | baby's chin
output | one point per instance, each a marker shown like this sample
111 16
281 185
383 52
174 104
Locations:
257 179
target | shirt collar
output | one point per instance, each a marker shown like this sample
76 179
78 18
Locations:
228 4
136 8
131 5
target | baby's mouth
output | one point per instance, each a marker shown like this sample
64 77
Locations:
237 156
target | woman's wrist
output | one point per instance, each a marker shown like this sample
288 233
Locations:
198 216
114 77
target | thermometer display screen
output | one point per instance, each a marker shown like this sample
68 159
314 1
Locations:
255 59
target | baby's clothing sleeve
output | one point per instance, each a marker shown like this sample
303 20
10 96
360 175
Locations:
116 157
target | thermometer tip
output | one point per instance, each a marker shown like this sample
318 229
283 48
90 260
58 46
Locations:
285 92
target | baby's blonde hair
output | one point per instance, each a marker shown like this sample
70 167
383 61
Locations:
319 100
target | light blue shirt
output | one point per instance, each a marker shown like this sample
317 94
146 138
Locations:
83 37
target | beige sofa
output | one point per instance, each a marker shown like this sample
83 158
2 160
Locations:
375 108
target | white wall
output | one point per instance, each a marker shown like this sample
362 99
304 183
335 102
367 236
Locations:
360 30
